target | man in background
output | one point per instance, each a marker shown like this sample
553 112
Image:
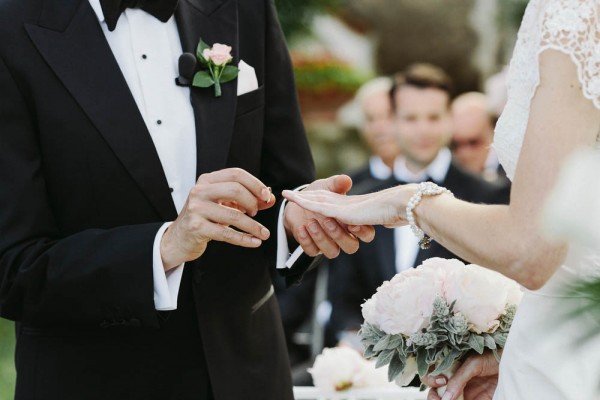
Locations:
472 137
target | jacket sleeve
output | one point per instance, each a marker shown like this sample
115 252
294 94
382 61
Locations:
93 277
286 161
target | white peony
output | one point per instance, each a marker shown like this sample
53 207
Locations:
335 369
369 311
481 296
405 303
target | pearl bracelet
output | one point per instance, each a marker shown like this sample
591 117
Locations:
425 189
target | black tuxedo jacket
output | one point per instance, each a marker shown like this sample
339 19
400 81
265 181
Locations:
83 193
355 278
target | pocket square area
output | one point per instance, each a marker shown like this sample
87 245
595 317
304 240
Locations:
247 80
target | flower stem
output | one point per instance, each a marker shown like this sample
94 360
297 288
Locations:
217 88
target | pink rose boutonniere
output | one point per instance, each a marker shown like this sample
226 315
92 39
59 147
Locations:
215 59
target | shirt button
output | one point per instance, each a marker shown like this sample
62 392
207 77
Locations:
171 189
144 56
158 122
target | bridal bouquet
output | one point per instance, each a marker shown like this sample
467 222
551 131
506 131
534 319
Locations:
427 319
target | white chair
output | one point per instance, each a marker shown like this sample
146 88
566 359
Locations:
312 393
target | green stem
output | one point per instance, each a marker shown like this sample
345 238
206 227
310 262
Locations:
217 88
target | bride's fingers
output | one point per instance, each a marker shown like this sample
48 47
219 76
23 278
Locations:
313 203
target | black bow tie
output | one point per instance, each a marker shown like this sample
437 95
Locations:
112 9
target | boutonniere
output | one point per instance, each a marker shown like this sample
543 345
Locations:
215 59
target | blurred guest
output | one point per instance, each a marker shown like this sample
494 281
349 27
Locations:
422 123
375 126
472 136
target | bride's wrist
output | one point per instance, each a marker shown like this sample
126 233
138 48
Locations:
426 193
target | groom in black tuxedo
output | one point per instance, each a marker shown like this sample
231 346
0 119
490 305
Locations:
99 151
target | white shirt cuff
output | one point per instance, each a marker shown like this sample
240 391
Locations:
166 284
284 258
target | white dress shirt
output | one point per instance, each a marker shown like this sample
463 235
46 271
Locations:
147 52
405 242
378 168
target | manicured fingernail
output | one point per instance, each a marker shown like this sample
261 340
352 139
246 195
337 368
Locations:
303 234
265 232
440 381
354 228
330 224
313 227
255 241
447 396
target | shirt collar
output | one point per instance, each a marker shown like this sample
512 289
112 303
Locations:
436 170
97 9
378 168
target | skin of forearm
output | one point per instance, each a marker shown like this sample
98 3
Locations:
491 236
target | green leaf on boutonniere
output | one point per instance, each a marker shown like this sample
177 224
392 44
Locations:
203 79
200 52
229 73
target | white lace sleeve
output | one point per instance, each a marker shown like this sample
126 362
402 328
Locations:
570 26
573 27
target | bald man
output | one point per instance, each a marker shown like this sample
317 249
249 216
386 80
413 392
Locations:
472 137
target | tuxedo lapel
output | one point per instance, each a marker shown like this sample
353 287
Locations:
215 21
73 44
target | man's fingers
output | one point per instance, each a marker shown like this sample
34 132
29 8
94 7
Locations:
306 242
366 233
228 193
322 240
253 184
225 216
337 184
263 205
226 234
345 241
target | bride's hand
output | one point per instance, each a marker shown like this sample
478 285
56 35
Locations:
387 207
475 379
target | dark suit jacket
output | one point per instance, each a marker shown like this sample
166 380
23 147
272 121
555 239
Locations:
355 278
83 193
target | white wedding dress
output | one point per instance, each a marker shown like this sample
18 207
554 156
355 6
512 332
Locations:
544 357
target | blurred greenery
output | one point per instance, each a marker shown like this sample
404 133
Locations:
322 74
511 12
295 15
7 365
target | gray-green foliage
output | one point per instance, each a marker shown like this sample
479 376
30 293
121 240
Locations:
445 340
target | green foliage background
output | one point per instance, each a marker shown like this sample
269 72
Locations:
7 368
295 15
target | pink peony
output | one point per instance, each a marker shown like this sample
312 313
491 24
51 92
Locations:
404 304
219 54
482 296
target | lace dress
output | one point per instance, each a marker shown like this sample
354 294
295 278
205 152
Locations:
545 357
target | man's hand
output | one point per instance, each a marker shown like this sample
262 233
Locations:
317 234
219 200
475 379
